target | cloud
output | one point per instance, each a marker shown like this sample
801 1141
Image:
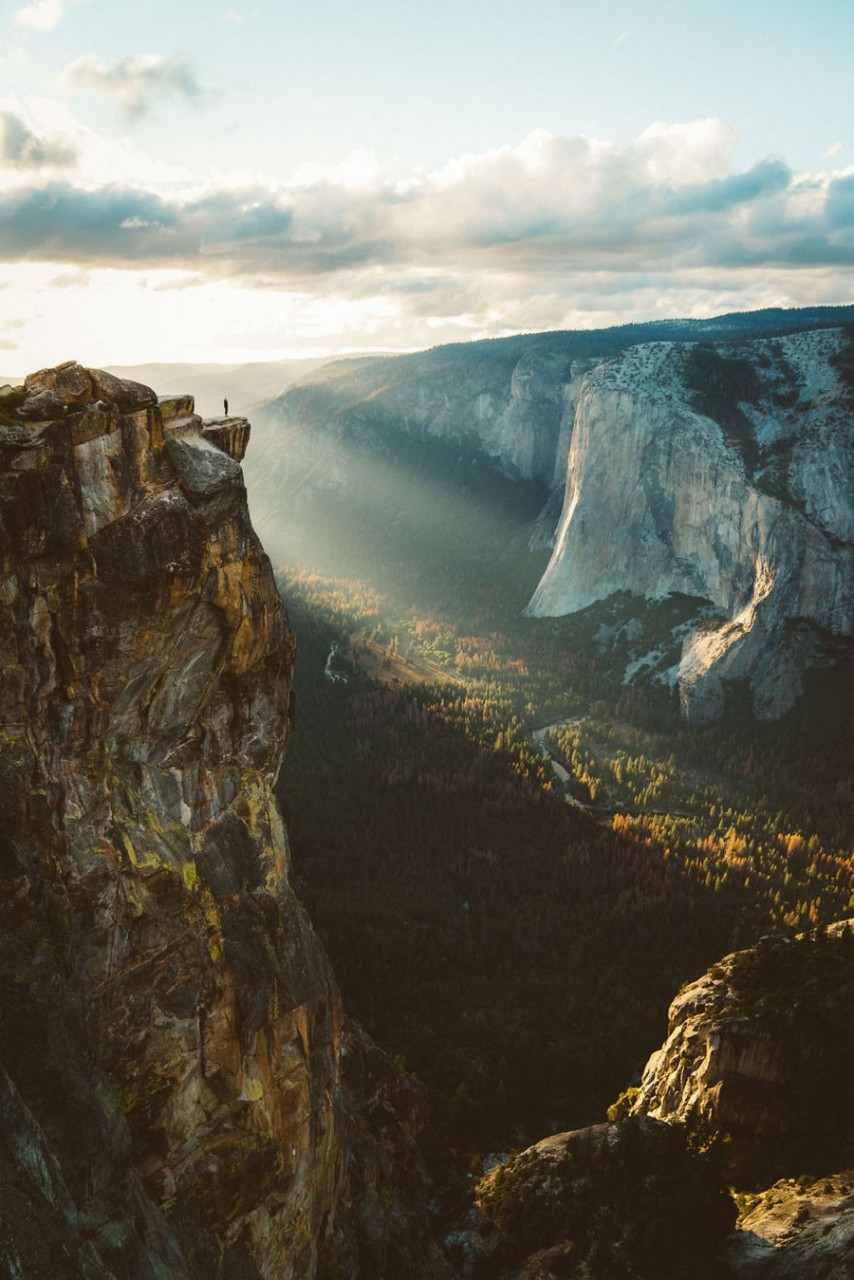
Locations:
58 222
677 154
840 202
41 15
529 236
769 177
138 83
22 148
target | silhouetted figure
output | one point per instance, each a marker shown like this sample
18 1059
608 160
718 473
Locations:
225 406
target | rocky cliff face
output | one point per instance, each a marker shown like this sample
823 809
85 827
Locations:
511 406
759 1057
182 1094
514 399
751 1089
722 473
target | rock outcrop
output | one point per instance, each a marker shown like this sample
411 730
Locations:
798 1229
616 1200
182 1094
751 1091
723 473
759 1059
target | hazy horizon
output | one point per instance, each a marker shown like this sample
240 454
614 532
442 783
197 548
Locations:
247 183
315 360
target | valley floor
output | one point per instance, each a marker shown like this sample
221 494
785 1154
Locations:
523 949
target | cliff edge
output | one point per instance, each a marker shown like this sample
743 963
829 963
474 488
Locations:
182 1094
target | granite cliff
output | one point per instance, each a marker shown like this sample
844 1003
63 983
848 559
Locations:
511 399
722 473
709 460
181 1091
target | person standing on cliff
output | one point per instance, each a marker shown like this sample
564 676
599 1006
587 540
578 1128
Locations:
225 406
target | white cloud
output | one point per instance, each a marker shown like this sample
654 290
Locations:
41 15
23 147
679 154
546 207
138 83
359 169
98 160
553 232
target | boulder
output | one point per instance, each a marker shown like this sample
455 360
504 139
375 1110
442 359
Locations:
212 480
125 394
41 406
69 382
624 1199
176 407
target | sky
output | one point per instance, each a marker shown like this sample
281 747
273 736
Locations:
263 179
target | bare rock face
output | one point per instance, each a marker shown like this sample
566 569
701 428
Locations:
798 1229
759 1060
179 1098
723 474
511 409
231 435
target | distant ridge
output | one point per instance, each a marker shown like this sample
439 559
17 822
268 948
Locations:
722 463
